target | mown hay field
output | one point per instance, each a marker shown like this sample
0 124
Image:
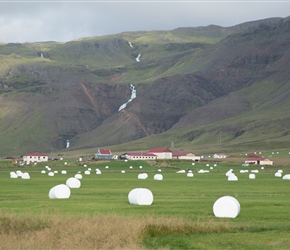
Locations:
98 215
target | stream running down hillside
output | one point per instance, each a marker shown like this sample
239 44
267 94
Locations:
133 96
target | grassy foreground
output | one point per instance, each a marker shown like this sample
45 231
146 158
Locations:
98 215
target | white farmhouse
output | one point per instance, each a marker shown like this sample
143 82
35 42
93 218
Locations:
161 153
34 157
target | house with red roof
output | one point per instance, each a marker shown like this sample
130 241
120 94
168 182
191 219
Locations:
259 161
104 154
34 157
140 156
185 156
161 153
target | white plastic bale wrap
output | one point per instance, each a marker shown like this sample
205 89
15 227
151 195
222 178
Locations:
226 207
143 176
25 176
13 175
78 176
158 177
73 182
286 177
140 196
60 191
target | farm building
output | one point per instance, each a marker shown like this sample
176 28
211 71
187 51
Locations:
161 153
140 156
185 156
34 157
259 161
220 156
104 154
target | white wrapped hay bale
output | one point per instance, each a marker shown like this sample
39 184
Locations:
278 174
60 191
13 175
190 174
78 176
51 174
63 172
230 172
87 172
123 172
182 171
252 176
140 196
73 182
286 177
25 176
43 171
158 177
98 171
226 207
142 176
19 173
232 177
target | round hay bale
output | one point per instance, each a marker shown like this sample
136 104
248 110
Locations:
286 177
73 182
140 196
278 174
13 175
158 177
19 173
193 164
189 174
232 177
55 171
78 176
123 172
252 176
142 176
43 171
63 172
226 207
51 174
60 191
25 176
159 170
180 171
98 171
87 172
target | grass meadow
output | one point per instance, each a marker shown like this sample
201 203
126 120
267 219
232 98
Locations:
98 215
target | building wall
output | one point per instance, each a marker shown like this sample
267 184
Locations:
163 155
142 157
29 159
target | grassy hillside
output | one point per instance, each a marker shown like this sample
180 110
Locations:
206 87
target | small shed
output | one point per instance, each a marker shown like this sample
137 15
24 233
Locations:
185 156
161 153
140 156
34 157
104 154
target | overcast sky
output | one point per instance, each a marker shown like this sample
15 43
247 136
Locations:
35 21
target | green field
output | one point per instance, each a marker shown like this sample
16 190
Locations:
181 216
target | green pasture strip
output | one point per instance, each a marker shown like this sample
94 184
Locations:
265 201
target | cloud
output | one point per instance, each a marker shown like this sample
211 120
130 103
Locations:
65 21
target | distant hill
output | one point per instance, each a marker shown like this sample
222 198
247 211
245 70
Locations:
196 87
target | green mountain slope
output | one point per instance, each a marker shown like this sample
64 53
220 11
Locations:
195 86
